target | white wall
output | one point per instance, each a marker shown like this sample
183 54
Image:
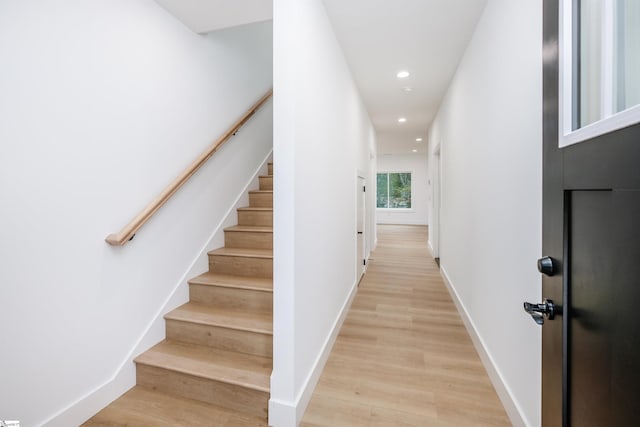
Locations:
103 103
322 139
417 165
490 129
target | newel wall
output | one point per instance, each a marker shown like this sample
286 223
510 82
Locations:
323 139
102 104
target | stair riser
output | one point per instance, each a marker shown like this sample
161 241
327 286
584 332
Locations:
266 182
261 200
248 239
241 266
255 218
234 397
246 299
270 166
220 337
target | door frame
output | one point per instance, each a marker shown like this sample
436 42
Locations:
553 200
436 195
361 222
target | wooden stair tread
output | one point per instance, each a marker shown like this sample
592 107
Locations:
142 406
228 317
243 252
250 228
261 191
256 209
230 367
232 281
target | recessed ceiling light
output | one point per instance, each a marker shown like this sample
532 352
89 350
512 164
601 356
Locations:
402 120
414 150
403 74
418 139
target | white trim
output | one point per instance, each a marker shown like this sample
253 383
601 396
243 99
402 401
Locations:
124 376
514 411
619 120
436 148
607 63
365 234
436 200
565 67
396 221
610 121
397 210
283 413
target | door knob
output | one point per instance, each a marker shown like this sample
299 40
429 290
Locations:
539 311
546 266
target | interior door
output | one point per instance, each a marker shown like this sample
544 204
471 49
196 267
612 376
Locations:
361 213
591 240
434 229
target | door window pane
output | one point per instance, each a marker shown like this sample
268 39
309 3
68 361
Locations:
590 54
600 66
627 54
394 190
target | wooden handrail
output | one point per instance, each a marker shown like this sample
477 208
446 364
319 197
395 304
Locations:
129 230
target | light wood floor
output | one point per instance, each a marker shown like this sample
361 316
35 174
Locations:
403 356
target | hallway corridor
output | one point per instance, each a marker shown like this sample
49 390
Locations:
403 356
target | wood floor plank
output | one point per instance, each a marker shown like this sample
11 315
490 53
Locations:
403 357
142 407
331 411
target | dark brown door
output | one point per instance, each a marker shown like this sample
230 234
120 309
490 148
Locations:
591 232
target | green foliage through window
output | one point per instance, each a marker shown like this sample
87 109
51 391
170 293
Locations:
394 190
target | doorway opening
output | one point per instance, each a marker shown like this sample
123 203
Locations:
361 262
434 229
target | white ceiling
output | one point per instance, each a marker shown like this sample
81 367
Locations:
203 16
425 37
379 38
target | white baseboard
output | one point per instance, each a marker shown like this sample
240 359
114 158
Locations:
289 414
124 377
397 222
504 393
282 414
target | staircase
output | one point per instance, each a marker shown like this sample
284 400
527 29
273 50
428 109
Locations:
214 367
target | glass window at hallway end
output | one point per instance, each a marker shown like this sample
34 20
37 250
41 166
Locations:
394 190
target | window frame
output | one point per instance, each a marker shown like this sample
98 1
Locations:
569 97
387 172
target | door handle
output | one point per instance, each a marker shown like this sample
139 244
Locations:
539 311
359 232
546 266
